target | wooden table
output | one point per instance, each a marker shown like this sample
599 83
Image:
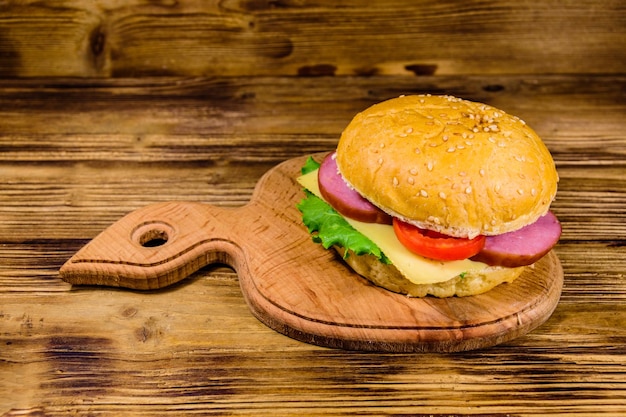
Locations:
76 156
86 139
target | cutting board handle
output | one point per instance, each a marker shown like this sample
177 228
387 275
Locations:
158 245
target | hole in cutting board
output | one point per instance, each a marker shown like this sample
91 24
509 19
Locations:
152 234
153 238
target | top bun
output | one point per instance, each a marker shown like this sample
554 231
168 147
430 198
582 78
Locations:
442 163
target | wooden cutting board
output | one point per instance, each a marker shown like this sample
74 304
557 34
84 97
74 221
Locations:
298 288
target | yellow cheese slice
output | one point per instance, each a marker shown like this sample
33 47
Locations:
415 268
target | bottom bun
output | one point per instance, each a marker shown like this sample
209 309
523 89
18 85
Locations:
388 277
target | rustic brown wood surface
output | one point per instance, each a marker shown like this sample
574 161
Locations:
104 38
108 106
257 37
297 287
78 155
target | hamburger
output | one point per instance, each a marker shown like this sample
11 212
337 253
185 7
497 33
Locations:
434 195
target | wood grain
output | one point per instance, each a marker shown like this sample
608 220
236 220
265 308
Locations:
78 154
106 38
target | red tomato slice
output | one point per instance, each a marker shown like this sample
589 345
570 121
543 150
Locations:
435 245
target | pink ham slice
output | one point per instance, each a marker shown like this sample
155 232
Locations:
344 199
524 246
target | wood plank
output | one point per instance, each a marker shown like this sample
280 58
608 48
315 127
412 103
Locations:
250 38
154 114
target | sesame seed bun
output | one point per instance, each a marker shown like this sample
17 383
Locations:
458 167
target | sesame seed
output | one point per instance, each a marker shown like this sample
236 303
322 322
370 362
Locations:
482 172
423 193
445 138
417 150
442 195
380 161
468 189
462 173
382 145
430 165
475 130
434 219
520 191
451 149
413 171
533 192
460 147
411 180
402 135
395 181
409 130
498 186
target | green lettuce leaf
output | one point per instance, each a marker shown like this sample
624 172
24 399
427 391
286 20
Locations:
309 166
329 228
